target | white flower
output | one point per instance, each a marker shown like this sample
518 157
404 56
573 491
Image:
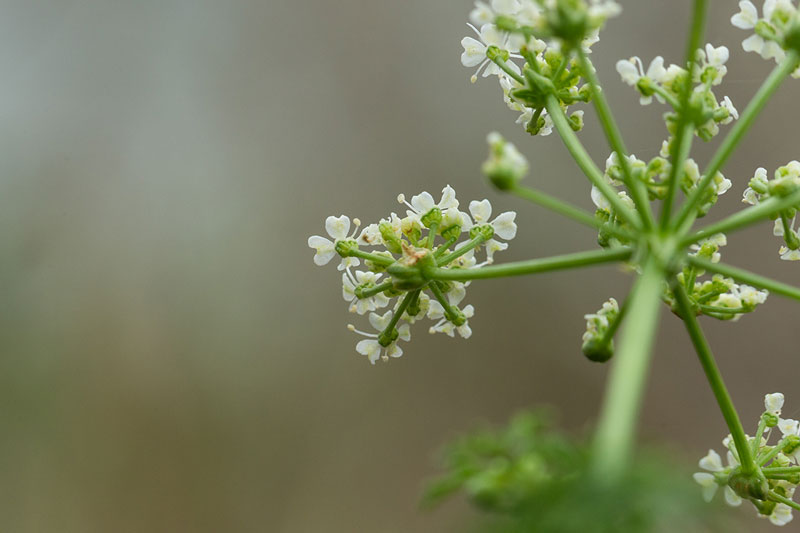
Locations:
349 285
781 515
422 203
337 228
371 347
748 16
475 51
773 403
443 325
708 484
632 70
713 60
712 462
787 254
733 113
504 226
481 14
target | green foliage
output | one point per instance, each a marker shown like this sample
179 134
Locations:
529 478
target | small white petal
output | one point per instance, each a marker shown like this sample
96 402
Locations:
481 211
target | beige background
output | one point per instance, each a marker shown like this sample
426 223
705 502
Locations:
172 360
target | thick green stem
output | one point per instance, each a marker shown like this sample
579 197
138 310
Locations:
714 377
688 211
744 276
585 162
637 188
745 217
533 266
614 439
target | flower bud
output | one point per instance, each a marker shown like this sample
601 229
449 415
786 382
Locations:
505 166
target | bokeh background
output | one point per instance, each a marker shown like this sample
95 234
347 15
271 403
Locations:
172 359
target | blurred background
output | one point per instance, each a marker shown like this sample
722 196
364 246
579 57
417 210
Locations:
172 359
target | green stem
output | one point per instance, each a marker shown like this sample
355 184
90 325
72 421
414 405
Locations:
533 266
745 217
377 289
687 213
461 250
762 425
568 210
614 326
780 470
443 248
722 310
505 68
767 457
585 162
671 100
375 258
683 145
638 191
744 276
431 236
449 312
614 438
786 501
715 380
397 314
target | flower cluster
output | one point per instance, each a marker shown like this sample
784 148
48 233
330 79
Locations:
540 33
786 181
598 343
770 489
654 175
666 84
427 237
719 297
776 31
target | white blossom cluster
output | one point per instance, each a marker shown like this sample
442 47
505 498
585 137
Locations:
777 463
430 231
719 297
773 29
654 175
786 180
529 35
666 85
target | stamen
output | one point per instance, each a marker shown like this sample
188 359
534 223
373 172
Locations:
357 224
352 328
478 33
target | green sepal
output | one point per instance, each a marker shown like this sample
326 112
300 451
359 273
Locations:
346 247
390 240
434 216
484 230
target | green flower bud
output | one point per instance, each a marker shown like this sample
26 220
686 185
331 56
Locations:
484 230
346 247
770 419
434 216
505 166
390 239
597 351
